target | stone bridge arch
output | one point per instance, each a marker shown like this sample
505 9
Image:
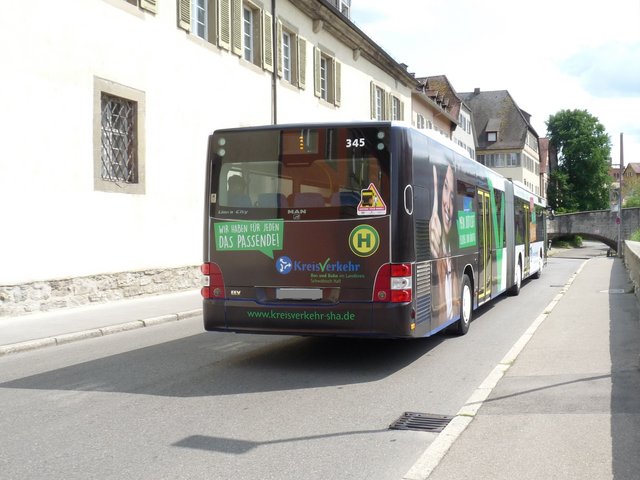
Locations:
597 225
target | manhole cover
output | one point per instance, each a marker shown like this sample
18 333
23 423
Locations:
423 422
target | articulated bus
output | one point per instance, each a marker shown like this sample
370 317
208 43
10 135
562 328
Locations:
370 229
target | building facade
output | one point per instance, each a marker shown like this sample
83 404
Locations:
437 106
107 107
504 137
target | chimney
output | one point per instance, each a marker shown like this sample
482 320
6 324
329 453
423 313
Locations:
476 91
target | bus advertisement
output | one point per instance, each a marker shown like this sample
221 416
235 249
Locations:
358 229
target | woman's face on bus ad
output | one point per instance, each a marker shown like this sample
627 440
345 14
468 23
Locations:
447 200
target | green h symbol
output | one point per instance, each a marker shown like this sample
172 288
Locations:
364 239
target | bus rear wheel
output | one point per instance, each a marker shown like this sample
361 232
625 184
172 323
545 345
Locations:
466 307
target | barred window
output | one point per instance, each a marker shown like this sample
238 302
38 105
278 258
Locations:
118 138
119 152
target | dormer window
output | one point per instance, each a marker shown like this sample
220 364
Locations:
345 8
492 129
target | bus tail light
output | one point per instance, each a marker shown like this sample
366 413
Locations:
393 283
214 283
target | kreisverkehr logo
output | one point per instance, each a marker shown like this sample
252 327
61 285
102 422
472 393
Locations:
284 265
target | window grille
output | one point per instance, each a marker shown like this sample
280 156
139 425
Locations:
119 139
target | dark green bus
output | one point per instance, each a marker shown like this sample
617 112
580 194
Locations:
358 229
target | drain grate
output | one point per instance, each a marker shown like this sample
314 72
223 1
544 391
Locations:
423 422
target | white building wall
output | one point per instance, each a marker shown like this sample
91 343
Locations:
465 135
433 121
296 105
55 225
532 178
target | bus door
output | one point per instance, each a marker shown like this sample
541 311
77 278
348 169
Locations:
484 246
526 268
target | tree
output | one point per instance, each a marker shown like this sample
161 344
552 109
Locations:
582 179
556 192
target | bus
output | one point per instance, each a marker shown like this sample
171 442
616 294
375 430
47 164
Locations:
371 229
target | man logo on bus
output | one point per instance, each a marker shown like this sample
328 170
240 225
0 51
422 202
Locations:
284 265
364 240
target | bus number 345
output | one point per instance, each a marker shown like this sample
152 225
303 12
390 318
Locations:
355 142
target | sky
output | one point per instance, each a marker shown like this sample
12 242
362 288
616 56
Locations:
551 55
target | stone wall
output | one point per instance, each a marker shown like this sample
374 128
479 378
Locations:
632 262
72 292
596 225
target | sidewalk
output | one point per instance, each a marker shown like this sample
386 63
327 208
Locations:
45 329
566 405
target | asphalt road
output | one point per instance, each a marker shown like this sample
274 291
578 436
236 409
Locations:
174 402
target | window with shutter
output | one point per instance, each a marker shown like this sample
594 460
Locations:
386 115
325 73
372 101
280 34
337 82
248 52
224 24
237 27
397 108
184 15
267 41
302 63
289 47
199 18
317 57
149 5
285 56
379 103
326 77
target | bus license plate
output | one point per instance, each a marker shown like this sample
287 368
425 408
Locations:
299 294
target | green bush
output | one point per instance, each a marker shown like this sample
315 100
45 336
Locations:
632 202
567 241
635 236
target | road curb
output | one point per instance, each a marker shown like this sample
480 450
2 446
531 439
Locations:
95 332
435 452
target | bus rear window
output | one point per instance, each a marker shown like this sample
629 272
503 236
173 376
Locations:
317 173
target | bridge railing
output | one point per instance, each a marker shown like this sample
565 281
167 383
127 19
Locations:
600 225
